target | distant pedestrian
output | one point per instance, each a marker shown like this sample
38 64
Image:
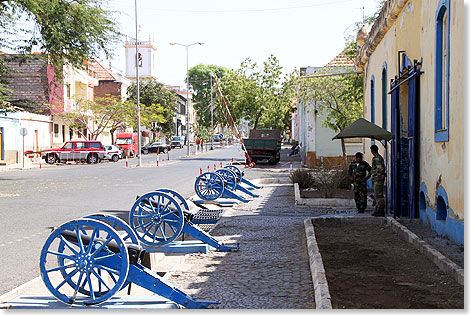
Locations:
378 181
295 149
359 172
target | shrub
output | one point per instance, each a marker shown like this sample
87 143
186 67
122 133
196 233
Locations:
302 177
328 181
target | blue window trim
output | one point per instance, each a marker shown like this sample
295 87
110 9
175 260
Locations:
441 135
372 100
384 96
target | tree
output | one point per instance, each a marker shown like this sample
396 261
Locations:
339 96
65 31
200 82
157 106
259 94
108 112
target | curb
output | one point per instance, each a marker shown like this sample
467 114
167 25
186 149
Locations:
320 284
7 296
441 261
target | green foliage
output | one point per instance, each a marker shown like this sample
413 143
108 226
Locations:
259 94
105 112
368 21
157 106
68 31
202 132
338 97
200 81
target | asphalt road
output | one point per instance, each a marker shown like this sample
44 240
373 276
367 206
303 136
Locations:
32 201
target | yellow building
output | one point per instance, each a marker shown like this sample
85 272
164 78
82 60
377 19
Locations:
413 62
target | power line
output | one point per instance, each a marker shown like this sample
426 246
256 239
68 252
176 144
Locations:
249 10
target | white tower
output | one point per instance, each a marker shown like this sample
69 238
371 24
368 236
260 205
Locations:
146 53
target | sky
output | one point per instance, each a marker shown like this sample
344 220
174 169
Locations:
299 33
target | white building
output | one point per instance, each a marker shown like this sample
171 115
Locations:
318 148
146 59
38 136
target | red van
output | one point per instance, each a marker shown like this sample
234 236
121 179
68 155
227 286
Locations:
128 142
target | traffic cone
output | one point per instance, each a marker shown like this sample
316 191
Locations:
200 171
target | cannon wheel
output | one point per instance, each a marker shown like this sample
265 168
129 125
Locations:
156 218
88 262
209 186
129 237
229 176
178 197
115 222
236 170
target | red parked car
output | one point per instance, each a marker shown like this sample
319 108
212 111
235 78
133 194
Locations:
81 150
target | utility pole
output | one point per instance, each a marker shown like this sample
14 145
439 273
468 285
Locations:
212 119
187 91
188 123
139 139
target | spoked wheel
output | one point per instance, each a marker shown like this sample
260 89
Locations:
236 170
84 262
229 177
209 186
157 218
177 196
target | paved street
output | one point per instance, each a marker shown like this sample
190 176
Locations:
32 201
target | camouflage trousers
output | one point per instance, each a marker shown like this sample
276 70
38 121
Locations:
360 196
379 189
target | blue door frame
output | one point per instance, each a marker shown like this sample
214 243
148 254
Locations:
405 147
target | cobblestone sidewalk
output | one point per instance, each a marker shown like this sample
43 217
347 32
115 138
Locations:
271 270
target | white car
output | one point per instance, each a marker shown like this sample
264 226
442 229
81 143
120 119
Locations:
112 153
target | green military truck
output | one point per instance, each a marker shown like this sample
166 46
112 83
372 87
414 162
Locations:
264 144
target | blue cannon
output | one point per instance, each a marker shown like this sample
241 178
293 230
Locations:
233 181
162 216
85 262
222 183
240 174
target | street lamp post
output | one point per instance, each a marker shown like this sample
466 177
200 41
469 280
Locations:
212 119
187 91
139 139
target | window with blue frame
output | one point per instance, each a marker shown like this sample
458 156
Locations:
384 96
372 100
441 86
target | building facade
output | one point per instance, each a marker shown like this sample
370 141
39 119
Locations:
413 62
317 147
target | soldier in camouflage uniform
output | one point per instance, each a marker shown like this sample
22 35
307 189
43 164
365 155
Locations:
359 172
378 181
